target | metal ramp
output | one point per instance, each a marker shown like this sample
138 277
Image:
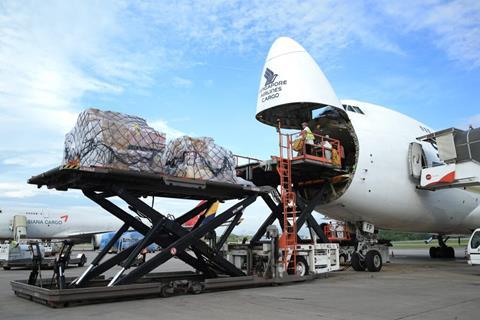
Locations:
459 151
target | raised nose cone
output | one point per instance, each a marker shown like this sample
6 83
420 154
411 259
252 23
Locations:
292 85
284 45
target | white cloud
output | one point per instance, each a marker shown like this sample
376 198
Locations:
180 82
453 26
33 159
13 189
163 126
323 27
51 55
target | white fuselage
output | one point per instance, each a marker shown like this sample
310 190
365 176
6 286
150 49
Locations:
383 193
49 225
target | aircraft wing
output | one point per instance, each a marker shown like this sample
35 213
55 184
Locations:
84 235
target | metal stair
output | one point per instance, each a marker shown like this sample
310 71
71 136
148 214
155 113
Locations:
288 241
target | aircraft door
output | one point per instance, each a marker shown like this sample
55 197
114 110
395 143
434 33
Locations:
416 160
19 227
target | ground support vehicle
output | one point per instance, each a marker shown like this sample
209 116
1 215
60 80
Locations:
213 265
21 255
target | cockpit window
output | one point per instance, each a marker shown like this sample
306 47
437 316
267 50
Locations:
350 108
358 110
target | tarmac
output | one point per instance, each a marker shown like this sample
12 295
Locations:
412 286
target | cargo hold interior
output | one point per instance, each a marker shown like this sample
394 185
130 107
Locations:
309 175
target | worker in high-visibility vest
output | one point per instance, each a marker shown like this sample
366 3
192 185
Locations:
308 137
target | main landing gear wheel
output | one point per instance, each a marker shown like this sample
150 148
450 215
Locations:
451 252
373 261
357 263
442 252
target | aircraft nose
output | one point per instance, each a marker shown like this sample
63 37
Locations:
284 45
291 86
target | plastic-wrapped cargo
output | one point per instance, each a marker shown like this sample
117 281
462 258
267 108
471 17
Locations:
114 140
199 158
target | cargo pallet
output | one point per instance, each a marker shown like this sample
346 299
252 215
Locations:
213 269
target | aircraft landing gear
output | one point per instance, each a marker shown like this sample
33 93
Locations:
372 261
442 251
369 254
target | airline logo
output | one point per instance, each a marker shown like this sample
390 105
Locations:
44 220
272 87
270 76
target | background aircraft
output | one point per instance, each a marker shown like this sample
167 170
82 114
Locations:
78 226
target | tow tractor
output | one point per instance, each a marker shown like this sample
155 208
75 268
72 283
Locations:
22 255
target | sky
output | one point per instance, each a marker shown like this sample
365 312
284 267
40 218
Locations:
193 67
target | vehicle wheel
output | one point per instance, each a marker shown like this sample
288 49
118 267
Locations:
302 267
451 252
342 259
357 263
373 260
83 260
6 268
433 252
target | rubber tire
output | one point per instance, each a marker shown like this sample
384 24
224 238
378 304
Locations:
450 253
343 257
299 259
357 263
302 260
433 252
7 268
370 258
445 252
83 260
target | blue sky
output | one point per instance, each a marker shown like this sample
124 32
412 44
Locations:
194 68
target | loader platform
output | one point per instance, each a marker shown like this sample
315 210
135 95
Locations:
198 246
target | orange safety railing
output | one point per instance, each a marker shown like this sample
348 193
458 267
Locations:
323 149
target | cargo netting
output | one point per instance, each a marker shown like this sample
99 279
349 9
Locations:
199 158
114 140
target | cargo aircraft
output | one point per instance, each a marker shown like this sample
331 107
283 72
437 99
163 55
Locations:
378 184
43 225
